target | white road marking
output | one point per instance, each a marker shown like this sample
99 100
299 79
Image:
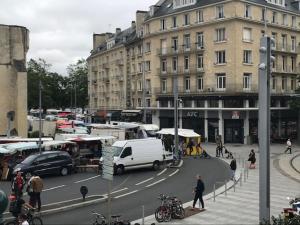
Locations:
119 190
129 193
176 171
156 182
80 181
162 172
145 181
49 189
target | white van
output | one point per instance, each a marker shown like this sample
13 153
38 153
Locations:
138 153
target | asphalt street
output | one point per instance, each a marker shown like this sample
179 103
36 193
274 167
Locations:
141 188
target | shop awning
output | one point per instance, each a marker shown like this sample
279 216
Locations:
5 151
93 138
55 143
181 132
21 146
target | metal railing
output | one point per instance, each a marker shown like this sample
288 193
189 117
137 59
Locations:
169 71
181 49
286 69
279 47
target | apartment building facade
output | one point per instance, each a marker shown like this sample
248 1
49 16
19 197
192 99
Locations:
212 47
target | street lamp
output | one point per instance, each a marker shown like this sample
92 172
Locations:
175 85
40 116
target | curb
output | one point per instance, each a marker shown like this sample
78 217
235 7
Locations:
292 165
178 166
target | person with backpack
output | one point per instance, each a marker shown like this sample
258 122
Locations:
36 183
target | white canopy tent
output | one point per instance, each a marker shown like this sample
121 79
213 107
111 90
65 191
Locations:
181 132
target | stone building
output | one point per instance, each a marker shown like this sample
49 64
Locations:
14 44
213 49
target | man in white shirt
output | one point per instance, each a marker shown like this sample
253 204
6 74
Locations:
288 146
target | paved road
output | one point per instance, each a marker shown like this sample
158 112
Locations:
129 201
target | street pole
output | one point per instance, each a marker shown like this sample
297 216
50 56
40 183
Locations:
40 116
109 203
264 128
75 97
175 85
144 85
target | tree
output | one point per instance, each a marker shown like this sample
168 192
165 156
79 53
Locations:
78 83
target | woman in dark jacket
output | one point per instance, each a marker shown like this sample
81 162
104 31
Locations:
252 159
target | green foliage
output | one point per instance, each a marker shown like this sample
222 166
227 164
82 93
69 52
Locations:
58 91
283 221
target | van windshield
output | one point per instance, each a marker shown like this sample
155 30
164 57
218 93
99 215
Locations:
117 151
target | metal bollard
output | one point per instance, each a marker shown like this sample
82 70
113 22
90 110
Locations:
243 162
143 214
247 172
245 175
225 187
241 178
214 192
239 160
234 186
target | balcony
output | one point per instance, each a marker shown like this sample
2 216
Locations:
280 48
105 65
287 70
180 71
162 52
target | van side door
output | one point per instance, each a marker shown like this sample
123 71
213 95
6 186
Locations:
126 157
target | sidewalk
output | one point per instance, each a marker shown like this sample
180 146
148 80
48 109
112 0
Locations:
242 206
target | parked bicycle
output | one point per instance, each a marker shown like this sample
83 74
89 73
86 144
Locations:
100 219
31 218
170 207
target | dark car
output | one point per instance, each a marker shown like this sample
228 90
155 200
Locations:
49 162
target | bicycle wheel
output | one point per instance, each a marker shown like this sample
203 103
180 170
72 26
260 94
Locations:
167 214
36 221
159 214
180 213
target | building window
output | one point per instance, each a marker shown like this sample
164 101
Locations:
187 42
200 83
175 44
247 36
163 104
247 56
164 85
274 36
140 67
187 84
174 64
213 103
200 62
148 86
174 21
294 21
220 35
247 82
148 47
186 63
274 17
163 65
262 33
284 41
147 28
182 3
263 14
200 40
284 20
283 83
220 57
274 83
284 66
293 63
221 81
247 11
148 102
293 43
163 25
293 83
199 15
219 11
147 66
186 19
199 103
139 102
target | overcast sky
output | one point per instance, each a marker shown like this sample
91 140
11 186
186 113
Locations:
61 30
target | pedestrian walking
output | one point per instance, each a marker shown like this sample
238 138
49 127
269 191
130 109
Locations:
18 185
190 146
288 146
37 186
233 169
198 191
252 159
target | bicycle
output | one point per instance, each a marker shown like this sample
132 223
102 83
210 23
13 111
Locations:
31 218
101 220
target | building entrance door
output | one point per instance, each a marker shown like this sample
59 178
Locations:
234 131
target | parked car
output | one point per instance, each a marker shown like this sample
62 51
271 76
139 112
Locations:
49 162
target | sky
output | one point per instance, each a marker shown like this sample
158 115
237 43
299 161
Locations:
61 31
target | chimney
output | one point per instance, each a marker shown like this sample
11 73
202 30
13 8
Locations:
118 31
133 24
108 35
98 39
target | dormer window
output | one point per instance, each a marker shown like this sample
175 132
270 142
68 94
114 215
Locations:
277 2
219 11
183 3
